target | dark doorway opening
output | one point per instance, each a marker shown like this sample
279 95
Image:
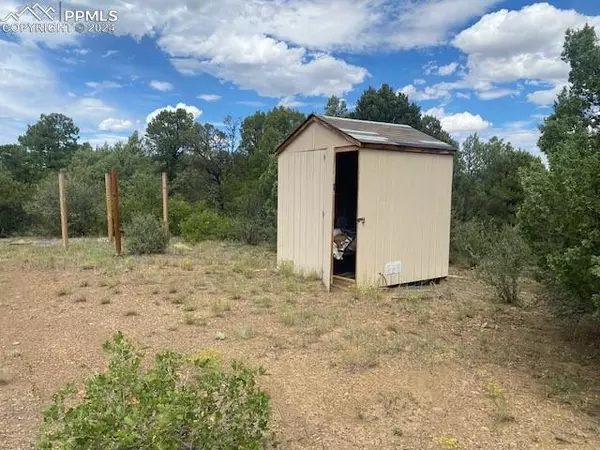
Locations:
345 210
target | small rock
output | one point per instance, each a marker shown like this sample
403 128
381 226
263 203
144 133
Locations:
219 336
484 325
16 343
566 438
437 409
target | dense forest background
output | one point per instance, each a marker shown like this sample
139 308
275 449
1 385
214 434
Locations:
511 213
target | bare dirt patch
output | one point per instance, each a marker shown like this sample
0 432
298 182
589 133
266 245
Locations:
436 367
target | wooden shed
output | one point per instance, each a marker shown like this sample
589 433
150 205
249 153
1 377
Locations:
365 202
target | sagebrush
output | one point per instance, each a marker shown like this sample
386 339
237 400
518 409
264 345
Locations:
504 264
145 234
206 225
182 402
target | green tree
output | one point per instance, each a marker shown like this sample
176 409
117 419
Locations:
204 168
51 142
385 105
336 107
19 162
561 213
170 134
13 195
433 127
252 130
487 184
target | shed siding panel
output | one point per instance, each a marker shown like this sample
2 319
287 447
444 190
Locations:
304 202
405 200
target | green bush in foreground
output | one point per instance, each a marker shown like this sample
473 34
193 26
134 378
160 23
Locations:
145 234
180 403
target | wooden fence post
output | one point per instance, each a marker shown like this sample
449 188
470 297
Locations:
62 194
165 200
109 218
114 175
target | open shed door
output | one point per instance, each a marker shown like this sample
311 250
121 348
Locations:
305 208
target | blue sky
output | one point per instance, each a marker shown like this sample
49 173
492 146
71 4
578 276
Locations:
485 66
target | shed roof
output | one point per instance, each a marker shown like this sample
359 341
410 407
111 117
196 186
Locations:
369 134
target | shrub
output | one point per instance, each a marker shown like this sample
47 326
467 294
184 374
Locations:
506 258
140 194
253 231
85 206
468 242
180 402
12 196
145 234
179 211
206 225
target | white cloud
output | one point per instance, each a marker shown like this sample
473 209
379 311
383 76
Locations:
81 51
545 97
464 95
448 69
252 103
437 91
264 46
430 67
189 108
507 46
463 122
419 81
99 85
494 94
290 102
209 97
269 67
90 108
109 53
162 86
112 124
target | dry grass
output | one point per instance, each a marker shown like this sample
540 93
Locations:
220 307
423 367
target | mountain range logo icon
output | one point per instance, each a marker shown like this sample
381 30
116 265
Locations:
36 10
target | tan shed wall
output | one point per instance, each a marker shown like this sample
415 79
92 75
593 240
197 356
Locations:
405 199
305 201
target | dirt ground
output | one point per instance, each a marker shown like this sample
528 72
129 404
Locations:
435 367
